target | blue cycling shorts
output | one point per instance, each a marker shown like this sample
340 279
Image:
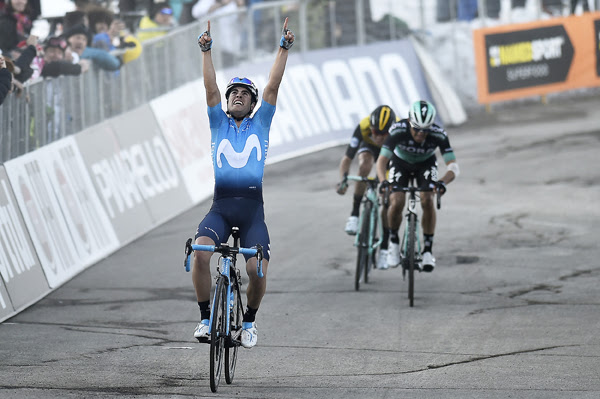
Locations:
246 213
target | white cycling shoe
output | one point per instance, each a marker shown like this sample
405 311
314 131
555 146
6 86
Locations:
249 334
382 259
428 263
201 330
352 225
393 256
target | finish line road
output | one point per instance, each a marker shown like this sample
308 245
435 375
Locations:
511 311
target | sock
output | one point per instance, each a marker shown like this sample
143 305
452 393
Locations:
356 205
427 242
394 236
385 239
204 310
250 314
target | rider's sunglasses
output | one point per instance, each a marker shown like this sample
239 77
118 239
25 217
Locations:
166 11
418 129
241 80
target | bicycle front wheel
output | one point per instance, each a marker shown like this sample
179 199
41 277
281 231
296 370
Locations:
217 334
362 260
236 311
410 252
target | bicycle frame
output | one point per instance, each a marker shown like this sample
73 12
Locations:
228 255
411 209
371 196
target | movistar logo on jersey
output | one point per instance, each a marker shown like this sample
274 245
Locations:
236 159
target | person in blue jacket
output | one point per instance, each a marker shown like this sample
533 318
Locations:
239 142
78 39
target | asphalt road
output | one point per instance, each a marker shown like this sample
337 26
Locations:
511 311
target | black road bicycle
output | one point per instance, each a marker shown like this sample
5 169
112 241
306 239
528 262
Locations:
226 316
410 248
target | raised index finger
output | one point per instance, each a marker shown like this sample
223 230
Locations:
285 24
208 28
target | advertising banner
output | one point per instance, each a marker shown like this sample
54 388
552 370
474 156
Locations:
60 209
520 60
133 172
149 161
23 280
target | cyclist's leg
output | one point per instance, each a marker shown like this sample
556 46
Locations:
398 177
255 232
427 175
213 229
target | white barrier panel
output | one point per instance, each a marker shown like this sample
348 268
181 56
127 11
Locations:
156 176
61 210
23 280
133 173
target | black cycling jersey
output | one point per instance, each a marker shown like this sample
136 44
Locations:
402 145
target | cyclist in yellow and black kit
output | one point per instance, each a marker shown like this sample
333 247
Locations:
366 141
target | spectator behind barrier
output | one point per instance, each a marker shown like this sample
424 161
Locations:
15 25
157 23
78 39
111 34
28 64
222 27
55 63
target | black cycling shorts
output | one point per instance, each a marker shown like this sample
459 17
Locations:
246 213
373 149
424 172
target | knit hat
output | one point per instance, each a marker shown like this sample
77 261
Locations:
76 30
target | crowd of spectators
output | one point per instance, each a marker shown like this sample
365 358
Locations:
93 36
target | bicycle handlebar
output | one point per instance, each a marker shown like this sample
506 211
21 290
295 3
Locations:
226 250
372 181
413 189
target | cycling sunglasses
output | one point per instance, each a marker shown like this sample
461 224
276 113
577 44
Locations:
241 80
418 129
166 11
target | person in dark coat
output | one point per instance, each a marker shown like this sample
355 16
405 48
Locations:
15 24
5 80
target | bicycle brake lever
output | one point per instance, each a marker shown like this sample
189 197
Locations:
188 252
259 256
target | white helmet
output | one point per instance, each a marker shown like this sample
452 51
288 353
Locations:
421 114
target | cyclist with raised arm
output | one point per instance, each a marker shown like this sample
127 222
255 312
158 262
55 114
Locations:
239 143
410 153
366 141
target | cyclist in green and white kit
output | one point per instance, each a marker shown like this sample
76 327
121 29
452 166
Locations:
410 152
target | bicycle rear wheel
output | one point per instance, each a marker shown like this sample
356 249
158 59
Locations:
236 312
362 259
217 334
410 249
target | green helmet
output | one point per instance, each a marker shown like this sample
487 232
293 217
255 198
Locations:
421 114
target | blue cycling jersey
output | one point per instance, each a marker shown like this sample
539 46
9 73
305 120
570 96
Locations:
239 154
